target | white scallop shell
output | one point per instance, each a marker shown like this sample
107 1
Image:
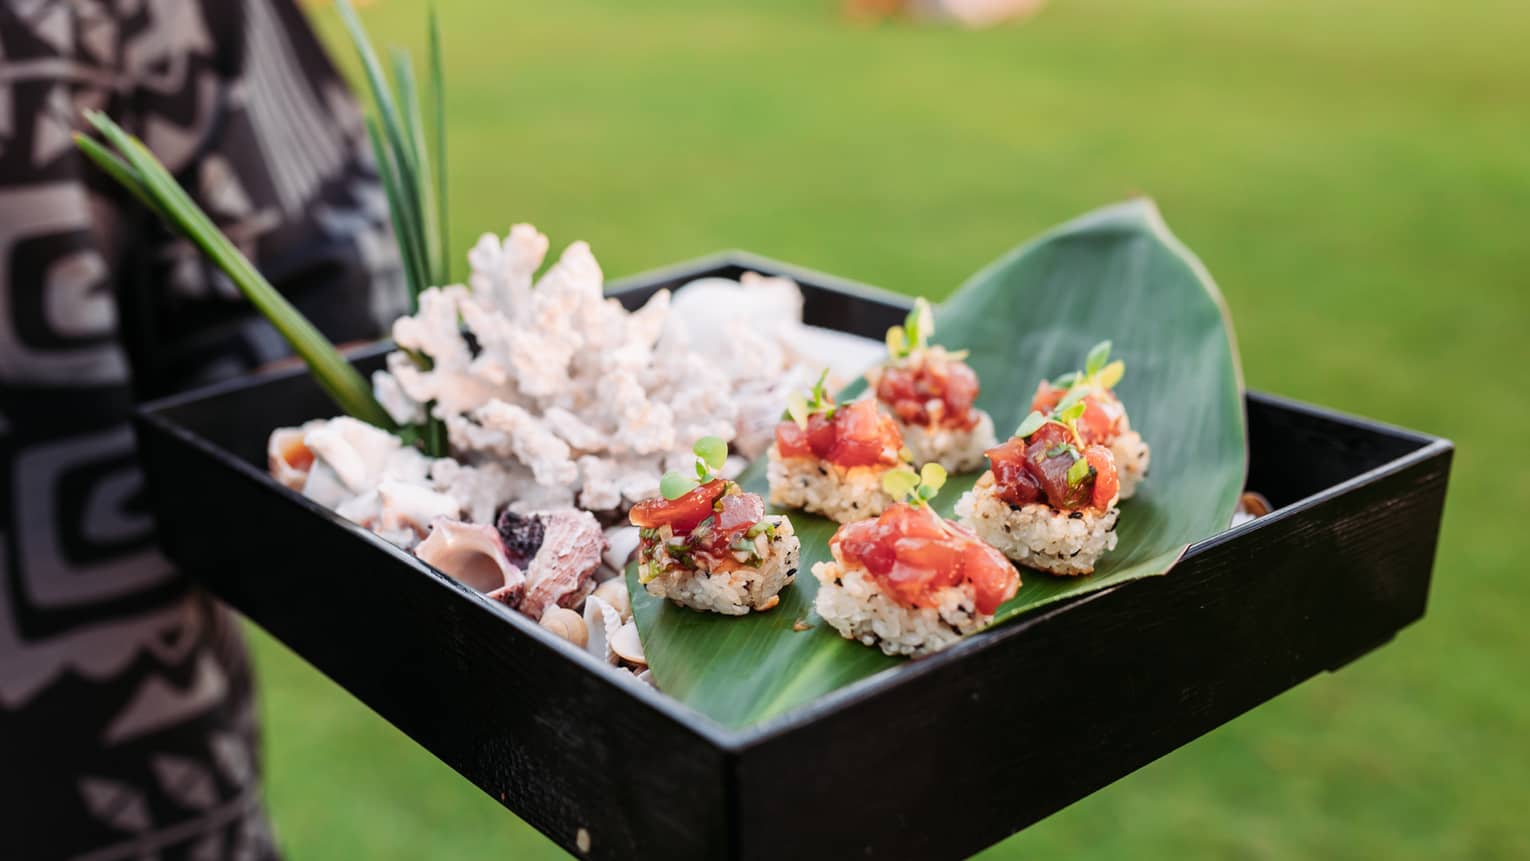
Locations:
602 622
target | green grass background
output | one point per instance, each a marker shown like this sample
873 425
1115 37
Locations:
1356 175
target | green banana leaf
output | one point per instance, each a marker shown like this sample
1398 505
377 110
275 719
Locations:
1115 273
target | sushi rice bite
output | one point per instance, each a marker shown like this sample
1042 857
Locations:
829 459
909 581
1104 421
706 544
930 392
1049 500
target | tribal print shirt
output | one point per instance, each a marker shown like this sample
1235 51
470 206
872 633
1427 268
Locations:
126 721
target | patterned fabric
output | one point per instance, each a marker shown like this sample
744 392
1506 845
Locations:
126 718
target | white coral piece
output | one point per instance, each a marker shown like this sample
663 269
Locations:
552 394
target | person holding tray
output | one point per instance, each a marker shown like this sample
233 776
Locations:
127 726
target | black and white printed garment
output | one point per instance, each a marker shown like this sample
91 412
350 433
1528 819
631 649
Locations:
126 715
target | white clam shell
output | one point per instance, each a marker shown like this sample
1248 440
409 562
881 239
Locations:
566 624
628 646
602 622
614 592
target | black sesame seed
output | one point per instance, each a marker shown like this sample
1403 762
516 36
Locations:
1076 515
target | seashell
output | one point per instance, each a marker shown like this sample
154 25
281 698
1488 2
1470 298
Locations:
288 458
646 677
614 592
473 555
602 622
566 624
355 450
621 545
562 569
324 486
627 645
414 507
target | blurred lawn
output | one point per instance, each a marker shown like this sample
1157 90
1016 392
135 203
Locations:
1355 175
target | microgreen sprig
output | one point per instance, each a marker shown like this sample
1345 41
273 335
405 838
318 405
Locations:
800 407
711 453
917 489
1068 418
915 332
1099 373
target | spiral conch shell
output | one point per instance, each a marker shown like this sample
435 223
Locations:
474 555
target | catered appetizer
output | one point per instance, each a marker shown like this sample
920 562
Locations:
930 392
830 459
910 581
1104 421
1049 499
707 544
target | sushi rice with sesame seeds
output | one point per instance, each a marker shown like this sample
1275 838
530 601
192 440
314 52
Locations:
1037 535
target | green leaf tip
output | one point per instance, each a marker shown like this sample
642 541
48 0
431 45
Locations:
675 485
915 332
1099 354
127 161
800 407
915 488
1078 472
712 451
1030 424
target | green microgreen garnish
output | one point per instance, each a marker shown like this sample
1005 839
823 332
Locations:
1078 472
1099 375
1062 448
915 332
904 485
711 453
675 485
800 407
1099 354
1030 425
1070 414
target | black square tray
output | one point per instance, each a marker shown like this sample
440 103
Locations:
932 759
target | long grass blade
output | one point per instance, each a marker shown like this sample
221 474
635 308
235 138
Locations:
414 132
118 170
401 214
438 152
333 373
391 123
